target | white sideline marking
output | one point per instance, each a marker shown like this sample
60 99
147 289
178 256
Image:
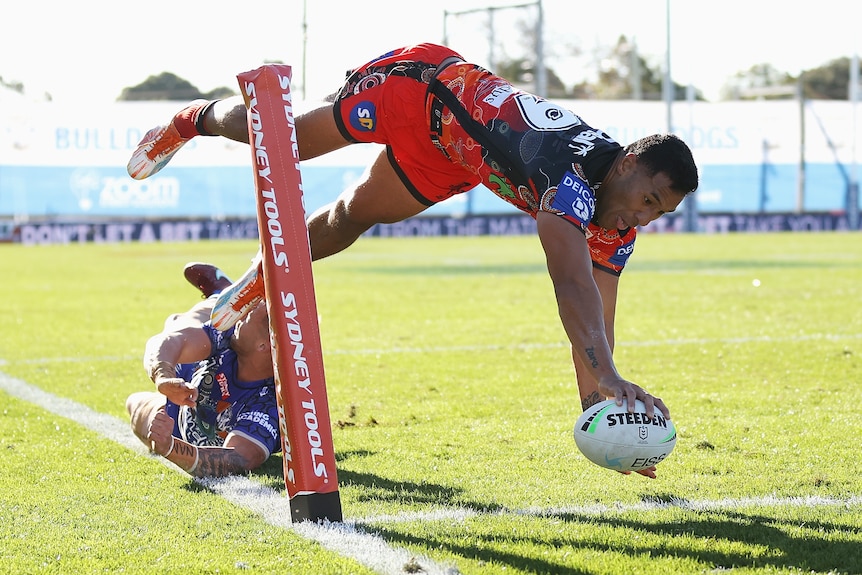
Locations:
347 538
460 514
273 506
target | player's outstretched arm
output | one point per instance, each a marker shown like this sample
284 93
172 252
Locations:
581 310
588 387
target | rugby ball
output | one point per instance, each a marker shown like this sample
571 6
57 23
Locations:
611 437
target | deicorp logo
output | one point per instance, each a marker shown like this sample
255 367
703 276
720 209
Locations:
581 199
363 117
621 256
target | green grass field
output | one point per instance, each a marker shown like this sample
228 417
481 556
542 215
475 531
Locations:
453 400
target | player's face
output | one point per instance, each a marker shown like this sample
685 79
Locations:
635 199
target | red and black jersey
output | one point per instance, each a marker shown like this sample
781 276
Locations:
450 125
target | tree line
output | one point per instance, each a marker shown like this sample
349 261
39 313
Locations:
623 75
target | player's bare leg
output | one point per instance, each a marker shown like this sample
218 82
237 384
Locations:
316 131
227 118
379 197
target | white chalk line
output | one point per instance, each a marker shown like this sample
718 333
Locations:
348 539
595 510
501 347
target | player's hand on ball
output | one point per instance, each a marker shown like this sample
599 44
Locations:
619 389
159 432
178 391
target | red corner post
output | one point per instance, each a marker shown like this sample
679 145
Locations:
306 433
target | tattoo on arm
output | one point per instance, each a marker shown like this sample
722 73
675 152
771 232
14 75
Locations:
591 400
183 449
219 462
591 353
211 461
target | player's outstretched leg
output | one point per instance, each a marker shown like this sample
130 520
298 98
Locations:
379 197
160 144
238 299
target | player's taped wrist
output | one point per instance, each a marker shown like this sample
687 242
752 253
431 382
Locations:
170 449
194 466
184 453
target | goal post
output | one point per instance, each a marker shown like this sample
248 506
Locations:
306 433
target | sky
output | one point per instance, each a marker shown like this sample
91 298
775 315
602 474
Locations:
86 51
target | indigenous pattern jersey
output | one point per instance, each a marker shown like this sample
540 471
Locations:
528 151
450 126
224 403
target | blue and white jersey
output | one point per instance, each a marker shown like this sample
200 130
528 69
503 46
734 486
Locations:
225 404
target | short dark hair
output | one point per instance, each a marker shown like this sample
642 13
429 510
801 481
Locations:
668 154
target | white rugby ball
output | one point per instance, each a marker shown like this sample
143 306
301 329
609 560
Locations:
611 437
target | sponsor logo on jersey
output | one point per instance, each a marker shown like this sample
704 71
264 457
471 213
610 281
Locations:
622 253
584 142
363 117
261 419
223 385
498 95
575 199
